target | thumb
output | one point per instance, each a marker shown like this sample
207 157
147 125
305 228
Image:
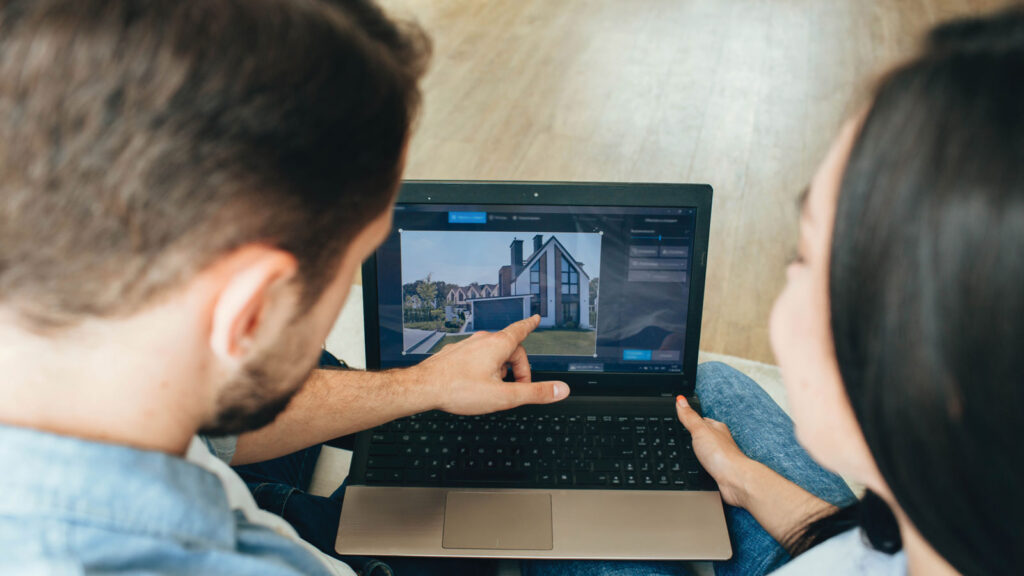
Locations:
687 415
540 392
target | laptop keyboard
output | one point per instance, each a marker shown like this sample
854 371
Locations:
536 451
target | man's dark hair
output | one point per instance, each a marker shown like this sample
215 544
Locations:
926 286
141 140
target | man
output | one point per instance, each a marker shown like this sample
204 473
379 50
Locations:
187 188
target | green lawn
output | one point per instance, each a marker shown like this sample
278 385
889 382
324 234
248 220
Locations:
556 342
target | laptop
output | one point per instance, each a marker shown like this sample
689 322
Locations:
616 272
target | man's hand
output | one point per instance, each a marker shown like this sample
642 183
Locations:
468 375
464 378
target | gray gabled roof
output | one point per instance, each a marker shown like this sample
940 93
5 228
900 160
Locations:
536 255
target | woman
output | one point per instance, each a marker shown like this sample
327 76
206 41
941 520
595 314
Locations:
899 335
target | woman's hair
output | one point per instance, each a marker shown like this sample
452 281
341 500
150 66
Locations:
927 296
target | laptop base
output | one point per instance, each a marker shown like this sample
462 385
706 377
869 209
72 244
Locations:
584 524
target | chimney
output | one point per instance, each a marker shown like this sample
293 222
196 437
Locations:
517 257
505 281
538 241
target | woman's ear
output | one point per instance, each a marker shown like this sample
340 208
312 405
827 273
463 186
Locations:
255 295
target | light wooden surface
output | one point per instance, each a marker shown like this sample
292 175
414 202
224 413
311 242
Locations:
743 95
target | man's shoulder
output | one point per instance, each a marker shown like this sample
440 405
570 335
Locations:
62 547
73 506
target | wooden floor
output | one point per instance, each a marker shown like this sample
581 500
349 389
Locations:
743 95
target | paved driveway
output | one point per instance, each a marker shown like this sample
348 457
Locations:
419 341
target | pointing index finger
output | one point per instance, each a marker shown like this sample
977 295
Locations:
520 330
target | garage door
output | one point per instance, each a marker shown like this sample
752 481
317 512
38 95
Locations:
496 314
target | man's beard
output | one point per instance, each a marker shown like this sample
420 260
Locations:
255 398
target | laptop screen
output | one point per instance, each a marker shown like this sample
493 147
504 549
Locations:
611 284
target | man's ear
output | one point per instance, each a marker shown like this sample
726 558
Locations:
253 291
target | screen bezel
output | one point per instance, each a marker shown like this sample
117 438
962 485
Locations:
698 196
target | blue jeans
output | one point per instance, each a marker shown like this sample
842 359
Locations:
765 433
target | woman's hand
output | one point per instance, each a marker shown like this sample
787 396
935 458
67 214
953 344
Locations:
717 452
780 506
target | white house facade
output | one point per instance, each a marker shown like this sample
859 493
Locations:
558 285
550 282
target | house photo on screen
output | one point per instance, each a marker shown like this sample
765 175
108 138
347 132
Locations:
455 283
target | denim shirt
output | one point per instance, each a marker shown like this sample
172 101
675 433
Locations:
70 506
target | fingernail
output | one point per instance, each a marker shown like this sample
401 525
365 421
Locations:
681 401
560 390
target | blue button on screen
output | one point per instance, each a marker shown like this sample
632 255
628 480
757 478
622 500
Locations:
641 355
467 217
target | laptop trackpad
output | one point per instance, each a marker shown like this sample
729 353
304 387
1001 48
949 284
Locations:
495 520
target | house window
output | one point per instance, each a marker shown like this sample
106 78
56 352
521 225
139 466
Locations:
535 288
570 278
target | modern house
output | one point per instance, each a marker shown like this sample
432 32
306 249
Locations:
549 282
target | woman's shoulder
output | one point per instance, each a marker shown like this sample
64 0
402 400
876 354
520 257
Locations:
846 553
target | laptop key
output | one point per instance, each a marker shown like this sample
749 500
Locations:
383 450
495 476
384 476
591 478
377 462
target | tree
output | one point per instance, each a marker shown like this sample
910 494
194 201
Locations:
442 294
427 292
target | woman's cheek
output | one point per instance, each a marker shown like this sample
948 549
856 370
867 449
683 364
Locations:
792 342
783 331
